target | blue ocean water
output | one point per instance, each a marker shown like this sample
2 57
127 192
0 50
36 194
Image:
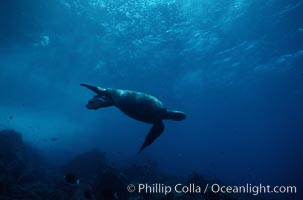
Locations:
234 67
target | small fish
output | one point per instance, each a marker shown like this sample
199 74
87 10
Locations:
54 139
108 194
10 117
71 179
87 194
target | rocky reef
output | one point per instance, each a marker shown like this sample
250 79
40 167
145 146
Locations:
26 175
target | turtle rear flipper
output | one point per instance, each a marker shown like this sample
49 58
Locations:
153 134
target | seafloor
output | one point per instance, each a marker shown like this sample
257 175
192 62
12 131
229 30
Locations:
26 175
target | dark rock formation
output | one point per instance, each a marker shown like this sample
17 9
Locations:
24 175
87 165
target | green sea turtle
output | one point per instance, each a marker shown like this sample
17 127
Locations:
137 105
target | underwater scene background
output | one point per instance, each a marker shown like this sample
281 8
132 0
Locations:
234 67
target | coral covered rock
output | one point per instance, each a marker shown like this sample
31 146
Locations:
87 165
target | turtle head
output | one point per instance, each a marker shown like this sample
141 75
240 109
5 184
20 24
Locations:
101 100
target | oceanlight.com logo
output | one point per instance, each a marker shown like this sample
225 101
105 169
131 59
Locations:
192 188
253 189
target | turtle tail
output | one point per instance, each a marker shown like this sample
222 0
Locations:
175 115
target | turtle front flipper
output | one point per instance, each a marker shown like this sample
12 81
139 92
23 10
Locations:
155 132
